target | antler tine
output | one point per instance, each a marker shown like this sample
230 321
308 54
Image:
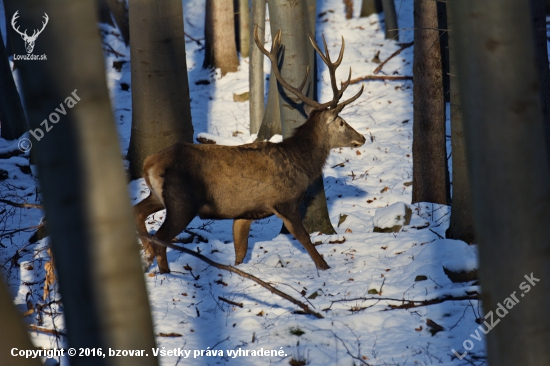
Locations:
276 45
350 100
16 27
332 66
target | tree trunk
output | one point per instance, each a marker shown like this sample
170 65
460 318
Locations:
13 334
161 112
256 68
429 151
104 14
390 16
293 20
461 226
219 34
12 115
508 172
244 31
444 46
82 181
271 122
369 7
538 13
119 10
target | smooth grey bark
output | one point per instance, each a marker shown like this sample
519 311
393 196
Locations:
369 7
256 66
83 186
13 334
219 33
271 122
430 175
161 111
538 13
12 115
390 16
461 225
508 172
294 22
244 31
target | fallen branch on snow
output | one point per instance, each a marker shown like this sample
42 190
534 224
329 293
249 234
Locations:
403 47
55 332
380 77
407 304
21 205
232 269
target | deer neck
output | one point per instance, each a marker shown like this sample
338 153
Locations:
309 147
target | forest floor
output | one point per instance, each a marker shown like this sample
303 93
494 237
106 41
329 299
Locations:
386 299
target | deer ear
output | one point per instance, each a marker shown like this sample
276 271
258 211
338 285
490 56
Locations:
308 109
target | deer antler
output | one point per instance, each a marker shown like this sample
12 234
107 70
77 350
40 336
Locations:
36 33
332 66
13 21
272 55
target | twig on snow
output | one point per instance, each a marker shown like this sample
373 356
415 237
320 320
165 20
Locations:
270 288
21 205
380 77
403 47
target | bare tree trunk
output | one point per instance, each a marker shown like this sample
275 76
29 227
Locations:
538 13
161 112
271 122
390 16
256 68
83 185
13 334
293 20
444 46
119 10
219 33
429 151
104 14
244 31
461 226
509 173
369 7
12 115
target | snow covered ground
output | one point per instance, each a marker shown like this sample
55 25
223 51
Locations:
375 299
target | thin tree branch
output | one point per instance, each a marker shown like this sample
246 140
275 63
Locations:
407 304
380 77
56 333
403 47
239 304
193 39
21 205
271 289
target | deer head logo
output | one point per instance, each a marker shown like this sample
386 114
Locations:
29 40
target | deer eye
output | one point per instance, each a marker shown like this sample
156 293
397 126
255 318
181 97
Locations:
341 123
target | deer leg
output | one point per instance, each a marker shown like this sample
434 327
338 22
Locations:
174 223
141 211
241 228
293 222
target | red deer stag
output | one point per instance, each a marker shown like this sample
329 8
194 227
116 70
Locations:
247 182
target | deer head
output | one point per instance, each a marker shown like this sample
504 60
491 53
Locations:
29 40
